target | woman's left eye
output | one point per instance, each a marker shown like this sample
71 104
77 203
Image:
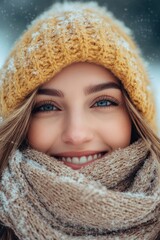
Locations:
105 103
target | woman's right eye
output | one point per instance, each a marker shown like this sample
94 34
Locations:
47 107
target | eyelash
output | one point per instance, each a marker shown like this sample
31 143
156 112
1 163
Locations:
112 103
37 107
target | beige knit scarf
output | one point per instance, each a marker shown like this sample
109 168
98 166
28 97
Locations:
116 197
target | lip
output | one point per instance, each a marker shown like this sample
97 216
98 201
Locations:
76 166
78 154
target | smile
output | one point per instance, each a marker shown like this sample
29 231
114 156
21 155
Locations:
81 159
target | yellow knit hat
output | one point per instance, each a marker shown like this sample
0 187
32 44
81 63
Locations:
74 32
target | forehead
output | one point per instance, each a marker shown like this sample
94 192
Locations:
81 74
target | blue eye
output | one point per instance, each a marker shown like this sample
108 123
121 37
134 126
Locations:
105 103
45 108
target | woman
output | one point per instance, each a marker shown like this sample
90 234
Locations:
79 153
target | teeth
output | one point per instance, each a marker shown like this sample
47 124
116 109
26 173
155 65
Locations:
95 157
80 160
90 158
75 160
68 159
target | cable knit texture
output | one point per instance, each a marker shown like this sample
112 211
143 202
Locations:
116 197
74 32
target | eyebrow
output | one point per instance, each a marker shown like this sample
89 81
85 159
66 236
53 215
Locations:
87 91
102 86
50 92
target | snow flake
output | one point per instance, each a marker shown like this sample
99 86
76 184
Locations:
34 35
11 66
13 188
57 8
138 80
136 195
68 179
21 223
93 187
33 47
35 165
133 64
121 24
75 12
17 158
4 202
70 19
34 72
44 27
97 190
123 43
1 119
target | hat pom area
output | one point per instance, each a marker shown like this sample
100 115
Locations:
74 32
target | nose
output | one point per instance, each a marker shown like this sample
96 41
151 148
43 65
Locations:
77 130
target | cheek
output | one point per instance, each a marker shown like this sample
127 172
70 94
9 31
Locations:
124 132
117 132
40 136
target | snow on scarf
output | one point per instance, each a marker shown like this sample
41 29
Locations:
116 197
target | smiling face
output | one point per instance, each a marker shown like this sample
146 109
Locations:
80 115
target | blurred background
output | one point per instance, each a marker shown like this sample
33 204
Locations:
142 16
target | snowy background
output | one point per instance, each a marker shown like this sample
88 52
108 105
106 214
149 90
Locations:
142 16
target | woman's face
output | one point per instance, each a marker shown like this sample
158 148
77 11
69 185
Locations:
80 115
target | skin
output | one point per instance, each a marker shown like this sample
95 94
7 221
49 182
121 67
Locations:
81 122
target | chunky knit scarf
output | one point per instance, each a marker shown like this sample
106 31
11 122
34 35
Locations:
116 197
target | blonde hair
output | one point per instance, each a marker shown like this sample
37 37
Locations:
141 127
14 129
